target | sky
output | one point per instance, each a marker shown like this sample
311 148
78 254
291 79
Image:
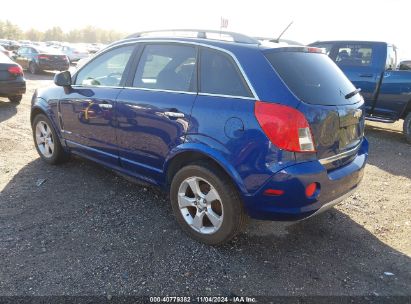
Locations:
313 20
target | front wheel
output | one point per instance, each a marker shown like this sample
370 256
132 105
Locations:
47 142
206 204
407 127
16 98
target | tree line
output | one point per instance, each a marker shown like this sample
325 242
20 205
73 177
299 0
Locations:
89 34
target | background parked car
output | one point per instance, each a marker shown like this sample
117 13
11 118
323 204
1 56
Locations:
372 67
6 52
74 53
405 65
12 82
37 59
10 45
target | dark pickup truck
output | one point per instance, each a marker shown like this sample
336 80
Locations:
372 67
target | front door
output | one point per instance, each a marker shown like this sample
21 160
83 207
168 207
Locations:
154 115
88 109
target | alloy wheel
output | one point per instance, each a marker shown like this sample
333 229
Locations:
201 205
44 139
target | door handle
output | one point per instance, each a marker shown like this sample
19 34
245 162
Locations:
174 114
105 106
366 75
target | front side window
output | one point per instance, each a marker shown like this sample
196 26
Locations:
107 69
354 55
220 75
167 67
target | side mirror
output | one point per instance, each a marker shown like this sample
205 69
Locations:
63 79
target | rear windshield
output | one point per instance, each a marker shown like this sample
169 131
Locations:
46 50
314 78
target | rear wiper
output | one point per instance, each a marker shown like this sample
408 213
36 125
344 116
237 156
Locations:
355 92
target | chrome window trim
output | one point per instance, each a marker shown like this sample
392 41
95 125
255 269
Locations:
227 96
247 80
325 161
95 86
161 90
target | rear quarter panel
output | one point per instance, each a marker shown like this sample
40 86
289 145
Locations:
228 126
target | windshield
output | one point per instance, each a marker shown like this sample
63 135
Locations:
314 78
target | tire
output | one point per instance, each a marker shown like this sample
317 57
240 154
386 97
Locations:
407 127
33 68
213 214
16 98
47 142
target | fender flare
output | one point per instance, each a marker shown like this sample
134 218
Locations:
41 105
209 152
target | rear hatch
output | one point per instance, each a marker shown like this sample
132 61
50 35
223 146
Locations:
327 99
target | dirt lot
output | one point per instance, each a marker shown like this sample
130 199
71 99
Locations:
86 231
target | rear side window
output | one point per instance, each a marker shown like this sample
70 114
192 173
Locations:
313 78
354 55
167 67
220 75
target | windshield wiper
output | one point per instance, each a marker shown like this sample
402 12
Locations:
355 92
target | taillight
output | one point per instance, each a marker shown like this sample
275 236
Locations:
311 189
15 70
285 127
43 57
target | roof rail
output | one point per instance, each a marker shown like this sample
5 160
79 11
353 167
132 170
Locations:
237 37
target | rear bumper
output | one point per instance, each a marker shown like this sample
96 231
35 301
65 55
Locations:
54 66
334 186
12 87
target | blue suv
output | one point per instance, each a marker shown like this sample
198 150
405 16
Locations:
231 127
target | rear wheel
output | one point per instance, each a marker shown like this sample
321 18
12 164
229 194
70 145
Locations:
47 142
206 204
407 127
16 98
33 68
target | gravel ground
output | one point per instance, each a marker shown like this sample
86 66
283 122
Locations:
87 231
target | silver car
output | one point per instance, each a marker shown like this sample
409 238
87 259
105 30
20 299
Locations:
74 53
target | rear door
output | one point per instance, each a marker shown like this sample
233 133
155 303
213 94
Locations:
336 119
154 112
88 108
395 89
